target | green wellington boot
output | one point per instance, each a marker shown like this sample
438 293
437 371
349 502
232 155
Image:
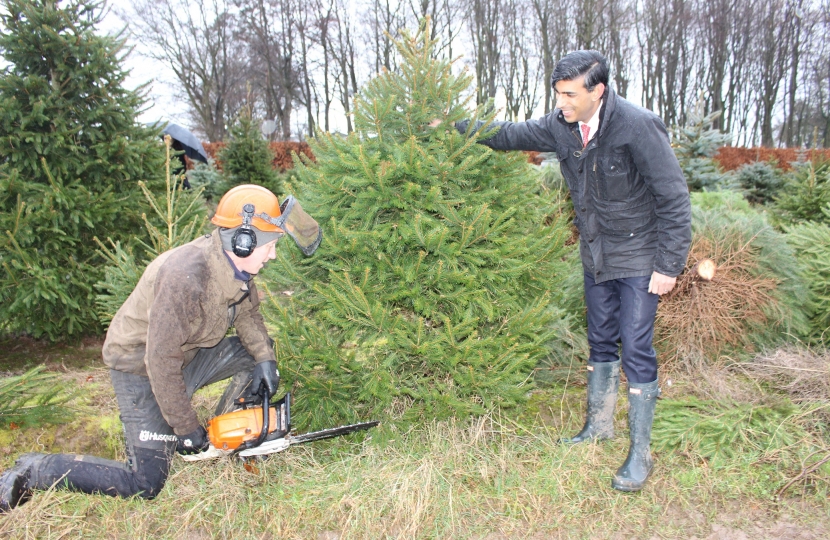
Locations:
637 467
603 384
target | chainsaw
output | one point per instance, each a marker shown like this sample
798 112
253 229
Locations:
257 430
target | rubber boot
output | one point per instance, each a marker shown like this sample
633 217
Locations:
14 482
633 474
603 385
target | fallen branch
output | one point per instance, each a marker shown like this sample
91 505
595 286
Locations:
802 474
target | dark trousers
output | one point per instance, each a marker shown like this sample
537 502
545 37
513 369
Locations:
150 440
621 312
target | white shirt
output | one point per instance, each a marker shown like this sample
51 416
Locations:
593 123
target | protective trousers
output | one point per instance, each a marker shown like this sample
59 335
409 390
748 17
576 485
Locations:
622 311
149 438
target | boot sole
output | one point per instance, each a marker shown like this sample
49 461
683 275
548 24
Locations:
628 487
585 440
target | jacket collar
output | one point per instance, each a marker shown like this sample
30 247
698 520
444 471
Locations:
218 262
609 105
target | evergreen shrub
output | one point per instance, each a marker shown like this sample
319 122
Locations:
206 177
695 145
34 398
71 158
811 242
247 158
760 181
721 430
435 291
805 195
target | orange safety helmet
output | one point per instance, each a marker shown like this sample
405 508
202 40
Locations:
229 211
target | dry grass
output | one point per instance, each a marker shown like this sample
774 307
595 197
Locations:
497 477
485 479
802 373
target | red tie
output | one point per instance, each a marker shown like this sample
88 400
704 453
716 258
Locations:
585 130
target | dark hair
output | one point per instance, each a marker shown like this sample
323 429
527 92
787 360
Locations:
591 64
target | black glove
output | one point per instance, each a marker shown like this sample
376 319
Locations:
194 442
265 373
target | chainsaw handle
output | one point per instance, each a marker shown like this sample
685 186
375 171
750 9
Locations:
266 416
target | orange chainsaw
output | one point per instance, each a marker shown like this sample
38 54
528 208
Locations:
254 430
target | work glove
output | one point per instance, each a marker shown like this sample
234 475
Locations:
194 442
265 373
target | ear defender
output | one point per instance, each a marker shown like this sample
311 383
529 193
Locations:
244 239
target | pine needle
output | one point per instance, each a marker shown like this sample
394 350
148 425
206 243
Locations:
33 398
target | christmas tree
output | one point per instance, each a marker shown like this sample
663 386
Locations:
805 195
434 292
695 146
71 157
247 159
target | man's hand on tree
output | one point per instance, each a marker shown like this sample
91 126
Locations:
661 284
265 373
194 442
435 123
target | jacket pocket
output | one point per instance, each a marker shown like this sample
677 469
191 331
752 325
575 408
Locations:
631 226
626 219
615 175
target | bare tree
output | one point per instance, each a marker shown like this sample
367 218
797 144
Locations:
269 29
383 21
788 134
519 74
197 40
809 113
773 53
308 29
738 102
448 24
666 59
484 19
590 25
616 43
715 25
553 34
764 63
344 51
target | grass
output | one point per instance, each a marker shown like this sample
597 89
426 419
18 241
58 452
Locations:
502 476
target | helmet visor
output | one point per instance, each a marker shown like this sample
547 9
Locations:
306 233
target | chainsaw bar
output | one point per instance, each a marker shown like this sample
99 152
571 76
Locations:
278 445
329 433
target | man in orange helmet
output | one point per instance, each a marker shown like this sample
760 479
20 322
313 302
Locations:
169 339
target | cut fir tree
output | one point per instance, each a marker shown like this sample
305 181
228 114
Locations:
434 292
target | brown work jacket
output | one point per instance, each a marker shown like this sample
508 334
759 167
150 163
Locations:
187 299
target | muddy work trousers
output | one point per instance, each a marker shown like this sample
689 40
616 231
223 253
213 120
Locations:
150 440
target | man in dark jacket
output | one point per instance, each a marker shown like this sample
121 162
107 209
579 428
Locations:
169 339
634 218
